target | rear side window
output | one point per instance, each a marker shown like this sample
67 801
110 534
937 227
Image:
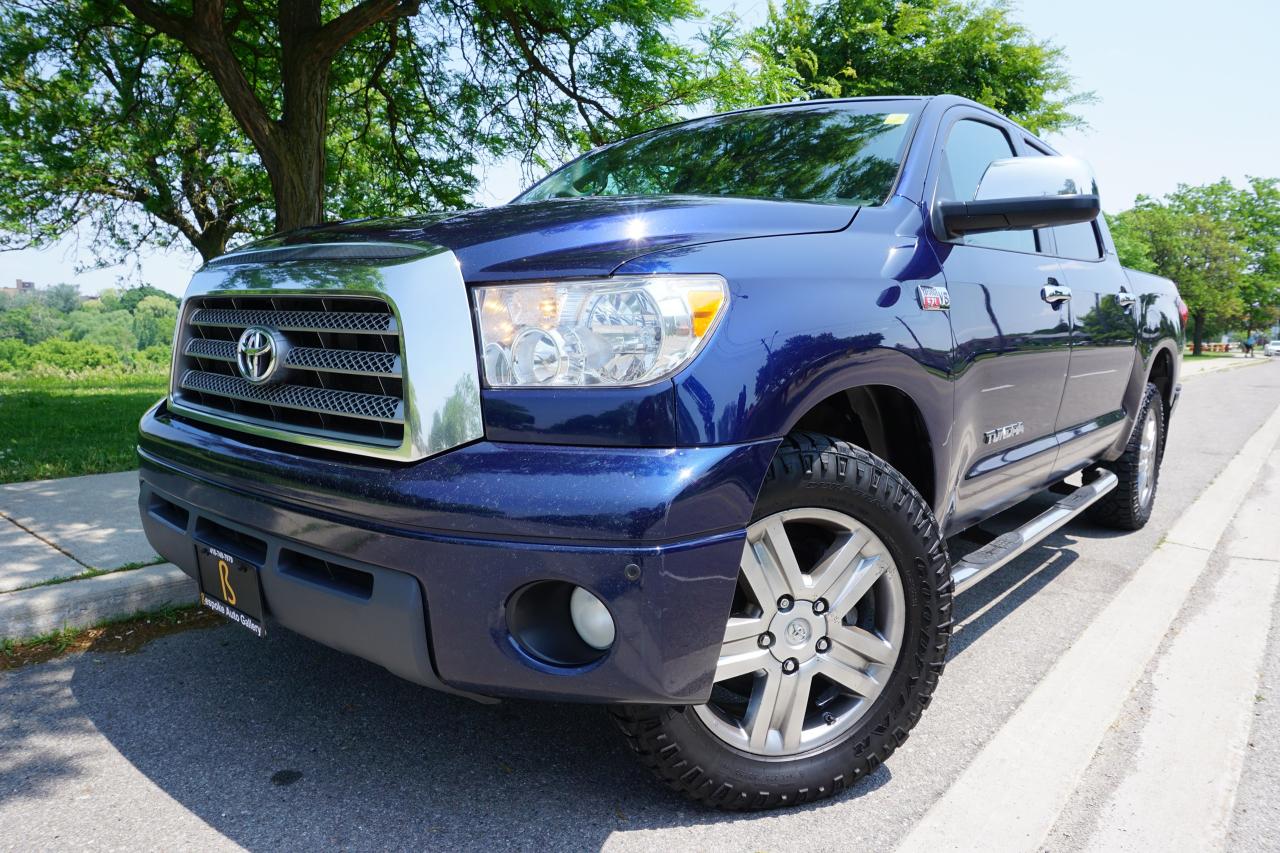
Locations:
970 148
1079 241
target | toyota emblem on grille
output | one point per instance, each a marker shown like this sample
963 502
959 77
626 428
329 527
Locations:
257 353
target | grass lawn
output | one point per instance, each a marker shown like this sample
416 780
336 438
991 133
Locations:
1206 355
59 427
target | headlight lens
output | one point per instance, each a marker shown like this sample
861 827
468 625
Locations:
620 331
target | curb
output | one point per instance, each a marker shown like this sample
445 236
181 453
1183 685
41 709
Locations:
84 603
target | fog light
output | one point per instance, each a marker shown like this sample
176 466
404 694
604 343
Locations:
591 619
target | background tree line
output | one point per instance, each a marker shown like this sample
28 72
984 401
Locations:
1220 243
55 329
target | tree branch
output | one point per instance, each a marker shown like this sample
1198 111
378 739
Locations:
335 35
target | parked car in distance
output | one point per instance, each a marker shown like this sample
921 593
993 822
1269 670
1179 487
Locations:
1271 348
685 430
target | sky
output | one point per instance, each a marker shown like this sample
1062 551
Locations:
1188 92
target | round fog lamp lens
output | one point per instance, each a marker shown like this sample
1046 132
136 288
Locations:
591 619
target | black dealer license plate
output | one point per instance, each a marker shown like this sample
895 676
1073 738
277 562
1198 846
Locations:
229 586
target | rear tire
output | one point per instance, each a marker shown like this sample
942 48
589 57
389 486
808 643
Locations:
853 552
1128 506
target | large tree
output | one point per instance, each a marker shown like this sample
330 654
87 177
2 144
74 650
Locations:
846 48
153 122
1194 248
150 121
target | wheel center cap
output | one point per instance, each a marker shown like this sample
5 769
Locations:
798 631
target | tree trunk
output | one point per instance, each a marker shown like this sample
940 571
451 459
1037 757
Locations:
1197 333
297 181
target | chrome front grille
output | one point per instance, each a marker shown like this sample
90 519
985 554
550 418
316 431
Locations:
340 374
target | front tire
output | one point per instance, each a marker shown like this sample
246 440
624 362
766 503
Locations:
833 645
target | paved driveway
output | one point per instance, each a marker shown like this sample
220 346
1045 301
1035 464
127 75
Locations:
213 739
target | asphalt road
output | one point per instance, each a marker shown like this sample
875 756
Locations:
213 739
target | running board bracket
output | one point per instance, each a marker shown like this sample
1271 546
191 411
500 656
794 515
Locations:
999 551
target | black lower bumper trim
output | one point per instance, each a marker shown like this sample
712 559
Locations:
369 611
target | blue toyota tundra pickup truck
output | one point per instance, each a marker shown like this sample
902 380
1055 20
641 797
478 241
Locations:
690 428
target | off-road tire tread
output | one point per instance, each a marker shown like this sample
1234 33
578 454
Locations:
816 457
1120 508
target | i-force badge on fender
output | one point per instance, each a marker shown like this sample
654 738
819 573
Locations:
932 298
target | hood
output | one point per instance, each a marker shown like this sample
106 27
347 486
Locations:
581 236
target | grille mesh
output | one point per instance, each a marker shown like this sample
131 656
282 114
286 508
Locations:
304 321
210 348
343 361
346 403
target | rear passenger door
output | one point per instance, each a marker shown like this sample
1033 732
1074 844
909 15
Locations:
1012 346
1104 332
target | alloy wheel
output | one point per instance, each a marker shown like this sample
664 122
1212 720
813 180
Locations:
815 630
1147 455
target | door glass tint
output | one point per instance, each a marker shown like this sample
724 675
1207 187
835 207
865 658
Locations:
1077 241
972 146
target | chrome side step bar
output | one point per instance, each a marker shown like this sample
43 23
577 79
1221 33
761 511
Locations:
999 551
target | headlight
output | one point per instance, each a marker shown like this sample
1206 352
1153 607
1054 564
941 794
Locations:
628 330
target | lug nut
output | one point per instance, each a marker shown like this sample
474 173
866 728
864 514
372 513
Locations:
820 606
784 603
766 640
790 665
822 645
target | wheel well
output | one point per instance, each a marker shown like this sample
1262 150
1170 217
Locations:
884 421
1162 377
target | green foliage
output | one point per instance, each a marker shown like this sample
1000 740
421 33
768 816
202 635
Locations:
53 330
29 320
63 298
154 319
137 122
1219 243
105 125
847 48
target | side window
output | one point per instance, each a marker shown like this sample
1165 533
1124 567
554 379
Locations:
1079 241
971 146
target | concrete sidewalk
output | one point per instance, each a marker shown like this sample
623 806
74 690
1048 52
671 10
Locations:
75 555
1226 362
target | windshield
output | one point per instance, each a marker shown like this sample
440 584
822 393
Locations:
844 152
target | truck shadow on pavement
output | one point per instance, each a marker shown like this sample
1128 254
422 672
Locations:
284 742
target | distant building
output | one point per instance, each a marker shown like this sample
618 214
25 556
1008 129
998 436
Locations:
19 287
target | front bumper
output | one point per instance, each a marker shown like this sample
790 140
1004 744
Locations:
411 566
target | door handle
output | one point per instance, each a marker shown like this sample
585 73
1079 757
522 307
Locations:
1126 299
1054 293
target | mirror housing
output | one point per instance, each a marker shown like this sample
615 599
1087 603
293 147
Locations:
1021 193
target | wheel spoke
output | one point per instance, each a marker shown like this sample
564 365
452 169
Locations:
854 582
775 712
761 579
849 677
740 657
837 561
786 568
744 627
847 640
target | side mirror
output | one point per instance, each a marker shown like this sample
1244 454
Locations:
1021 193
